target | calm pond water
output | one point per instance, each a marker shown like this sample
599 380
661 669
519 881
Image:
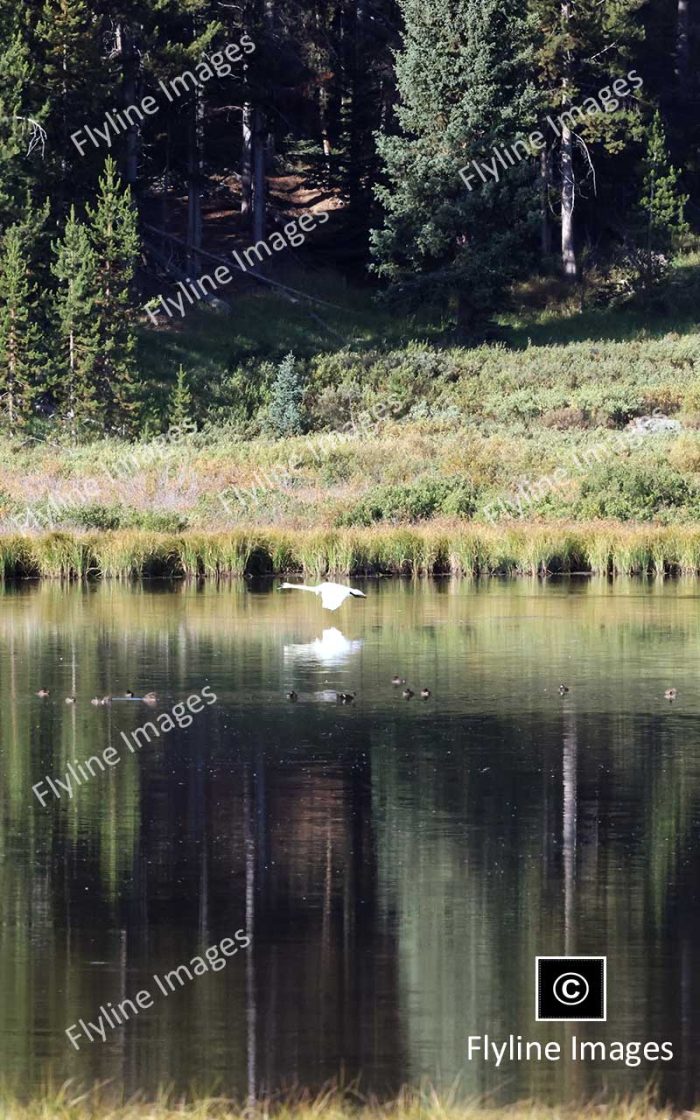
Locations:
399 864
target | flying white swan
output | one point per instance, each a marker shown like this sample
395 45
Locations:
333 595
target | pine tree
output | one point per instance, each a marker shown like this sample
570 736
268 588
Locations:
79 87
463 90
662 203
180 413
22 138
75 386
115 241
20 353
658 224
284 411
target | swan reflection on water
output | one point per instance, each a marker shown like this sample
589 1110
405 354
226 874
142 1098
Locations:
332 648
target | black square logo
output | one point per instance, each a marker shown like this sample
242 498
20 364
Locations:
571 989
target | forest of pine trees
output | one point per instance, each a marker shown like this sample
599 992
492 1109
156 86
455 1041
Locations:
376 104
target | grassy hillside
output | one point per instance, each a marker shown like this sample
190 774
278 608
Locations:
544 430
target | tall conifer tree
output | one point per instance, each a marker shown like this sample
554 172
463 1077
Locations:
75 358
20 351
662 202
79 85
115 242
463 90
22 139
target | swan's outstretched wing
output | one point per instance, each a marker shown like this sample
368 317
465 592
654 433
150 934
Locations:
333 595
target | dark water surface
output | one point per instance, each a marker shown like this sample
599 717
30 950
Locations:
398 864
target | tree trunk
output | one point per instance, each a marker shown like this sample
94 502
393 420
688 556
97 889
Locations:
247 166
465 317
568 181
358 102
325 134
129 65
335 88
195 167
683 46
165 198
322 95
12 368
545 224
259 184
568 197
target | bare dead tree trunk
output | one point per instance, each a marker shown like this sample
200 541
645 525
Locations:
247 166
568 181
325 133
568 197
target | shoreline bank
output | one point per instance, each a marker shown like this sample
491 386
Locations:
528 548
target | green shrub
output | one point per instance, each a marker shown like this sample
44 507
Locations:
95 516
339 367
105 518
418 501
684 453
156 521
237 399
335 406
461 501
338 466
611 406
416 372
633 492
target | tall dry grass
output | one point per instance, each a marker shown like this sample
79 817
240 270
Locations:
471 549
69 1103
